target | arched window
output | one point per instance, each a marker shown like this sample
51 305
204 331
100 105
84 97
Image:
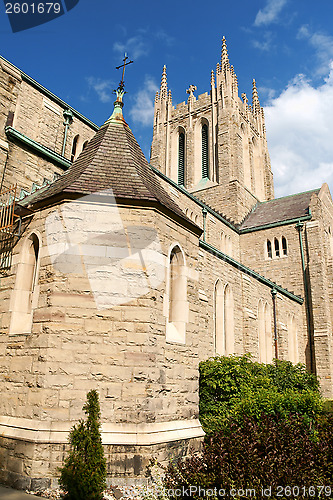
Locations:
205 153
229 246
177 292
23 298
269 249
219 319
264 333
74 147
330 237
181 159
224 320
84 145
284 246
277 247
292 339
222 242
229 321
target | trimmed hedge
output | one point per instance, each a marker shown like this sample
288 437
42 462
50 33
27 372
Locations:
250 454
236 387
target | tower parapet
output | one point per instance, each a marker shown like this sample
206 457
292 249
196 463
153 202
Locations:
218 139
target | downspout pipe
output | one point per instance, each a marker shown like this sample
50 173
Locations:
68 116
204 215
4 171
300 226
274 294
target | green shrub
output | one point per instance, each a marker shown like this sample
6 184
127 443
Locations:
251 454
84 473
236 386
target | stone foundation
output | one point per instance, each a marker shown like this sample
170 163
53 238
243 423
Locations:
33 462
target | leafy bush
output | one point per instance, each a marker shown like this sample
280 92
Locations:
234 387
84 473
251 454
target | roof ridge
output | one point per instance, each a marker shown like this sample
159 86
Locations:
287 196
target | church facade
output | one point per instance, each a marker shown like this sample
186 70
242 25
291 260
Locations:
121 276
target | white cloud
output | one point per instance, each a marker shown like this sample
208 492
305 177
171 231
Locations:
143 109
265 45
134 46
269 13
165 38
323 45
103 88
299 132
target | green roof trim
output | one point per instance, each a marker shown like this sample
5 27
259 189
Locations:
250 272
288 196
196 200
62 162
52 96
277 224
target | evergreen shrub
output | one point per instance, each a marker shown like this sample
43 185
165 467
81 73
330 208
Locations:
83 475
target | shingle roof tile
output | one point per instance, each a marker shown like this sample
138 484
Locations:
112 159
279 210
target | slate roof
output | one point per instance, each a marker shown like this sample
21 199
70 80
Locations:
279 210
112 159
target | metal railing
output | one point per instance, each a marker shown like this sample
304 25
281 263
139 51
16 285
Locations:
7 211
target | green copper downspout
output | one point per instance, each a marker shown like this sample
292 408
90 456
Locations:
300 226
274 293
204 215
68 115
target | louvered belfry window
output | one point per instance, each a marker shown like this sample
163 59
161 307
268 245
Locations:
181 159
204 143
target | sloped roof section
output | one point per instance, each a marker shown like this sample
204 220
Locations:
279 210
112 159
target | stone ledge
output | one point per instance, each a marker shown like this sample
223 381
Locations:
36 431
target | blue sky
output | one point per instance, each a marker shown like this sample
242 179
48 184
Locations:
286 45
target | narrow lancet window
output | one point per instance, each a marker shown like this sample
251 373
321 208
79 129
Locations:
269 249
284 246
277 247
205 162
181 159
25 285
74 147
177 316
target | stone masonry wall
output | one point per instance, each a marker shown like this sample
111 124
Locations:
36 115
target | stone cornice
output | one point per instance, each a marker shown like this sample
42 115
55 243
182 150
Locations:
38 431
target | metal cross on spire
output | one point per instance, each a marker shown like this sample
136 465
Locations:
125 63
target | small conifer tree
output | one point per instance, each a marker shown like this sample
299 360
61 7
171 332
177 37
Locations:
84 474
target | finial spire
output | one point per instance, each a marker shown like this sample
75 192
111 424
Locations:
164 84
255 98
117 115
212 79
224 54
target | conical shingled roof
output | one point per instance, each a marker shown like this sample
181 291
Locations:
112 159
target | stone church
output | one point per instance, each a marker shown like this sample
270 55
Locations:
121 276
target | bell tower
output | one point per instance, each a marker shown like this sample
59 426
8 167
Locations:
215 144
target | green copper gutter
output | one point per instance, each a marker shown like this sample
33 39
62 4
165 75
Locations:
222 219
48 93
276 224
192 197
249 272
62 162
